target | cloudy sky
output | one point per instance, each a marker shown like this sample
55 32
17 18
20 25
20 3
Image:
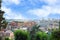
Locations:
31 9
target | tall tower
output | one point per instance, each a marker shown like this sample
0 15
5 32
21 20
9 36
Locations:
1 16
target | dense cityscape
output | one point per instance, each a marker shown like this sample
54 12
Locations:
19 29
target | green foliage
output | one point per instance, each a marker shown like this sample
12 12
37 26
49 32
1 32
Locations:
7 39
5 24
59 25
33 31
55 35
41 36
35 28
21 35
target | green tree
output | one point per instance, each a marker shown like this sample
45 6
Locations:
55 35
4 24
0 3
33 31
1 18
59 24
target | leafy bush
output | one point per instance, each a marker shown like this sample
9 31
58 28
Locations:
55 35
7 39
21 35
41 36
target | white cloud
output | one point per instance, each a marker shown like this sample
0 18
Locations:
52 2
8 2
52 7
33 2
9 14
39 12
44 11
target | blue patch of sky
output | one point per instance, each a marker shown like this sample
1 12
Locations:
30 16
54 16
26 5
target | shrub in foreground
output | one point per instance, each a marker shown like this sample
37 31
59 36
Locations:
21 35
55 35
41 36
7 39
